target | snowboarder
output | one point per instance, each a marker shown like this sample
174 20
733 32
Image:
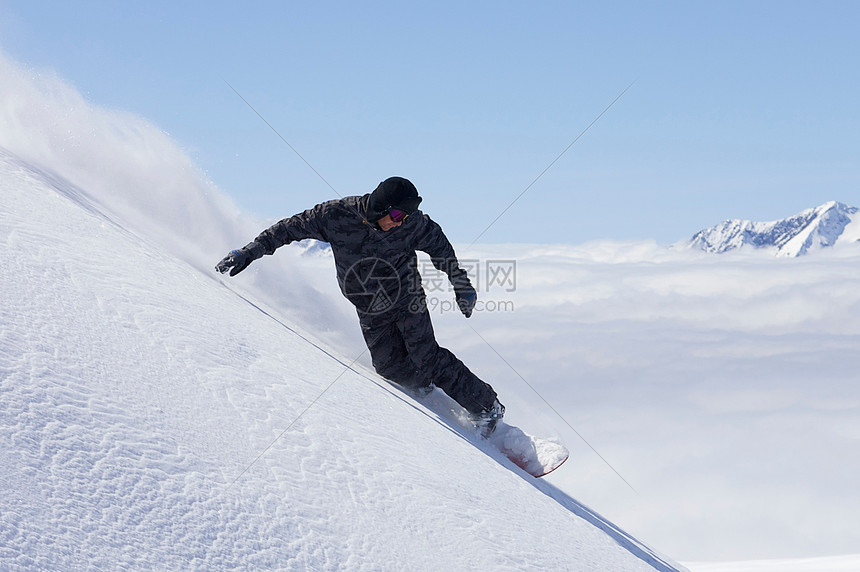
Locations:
374 239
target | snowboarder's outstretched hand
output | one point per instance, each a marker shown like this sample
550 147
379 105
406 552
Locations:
235 262
466 299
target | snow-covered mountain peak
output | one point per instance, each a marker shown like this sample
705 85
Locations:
824 226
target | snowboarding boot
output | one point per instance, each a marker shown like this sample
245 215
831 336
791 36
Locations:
487 419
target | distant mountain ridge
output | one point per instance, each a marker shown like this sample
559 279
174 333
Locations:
821 227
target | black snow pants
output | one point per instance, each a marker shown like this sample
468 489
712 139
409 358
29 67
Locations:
403 349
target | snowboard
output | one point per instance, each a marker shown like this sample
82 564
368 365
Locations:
536 456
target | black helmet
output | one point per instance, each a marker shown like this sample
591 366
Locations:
393 192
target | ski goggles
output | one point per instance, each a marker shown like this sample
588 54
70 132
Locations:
397 215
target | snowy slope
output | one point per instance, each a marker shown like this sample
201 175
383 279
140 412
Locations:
827 225
142 402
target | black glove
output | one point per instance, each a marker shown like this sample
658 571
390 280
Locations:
466 299
235 262
463 291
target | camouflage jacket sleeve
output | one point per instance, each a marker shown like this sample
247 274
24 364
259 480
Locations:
431 239
307 224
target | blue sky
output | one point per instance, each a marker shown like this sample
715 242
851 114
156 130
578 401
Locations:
739 109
